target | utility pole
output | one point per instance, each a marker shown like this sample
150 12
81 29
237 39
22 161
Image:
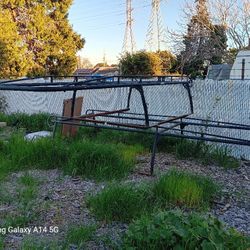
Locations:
129 42
156 34
104 59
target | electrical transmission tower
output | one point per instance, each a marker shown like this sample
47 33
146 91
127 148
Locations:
129 42
156 36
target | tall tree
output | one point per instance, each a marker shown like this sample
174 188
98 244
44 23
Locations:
47 37
204 42
234 15
13 61
168 60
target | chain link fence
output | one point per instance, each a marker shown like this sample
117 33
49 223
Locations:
227 101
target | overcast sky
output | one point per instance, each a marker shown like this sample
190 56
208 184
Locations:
102 24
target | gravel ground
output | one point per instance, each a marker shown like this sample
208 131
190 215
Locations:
61 200
233 207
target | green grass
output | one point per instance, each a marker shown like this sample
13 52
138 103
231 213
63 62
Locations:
32 123
126 202
25 202
4 195
222 157
76 157
185 189
120 203
35 244
28 180
45 153
100 161
182 148
177 230
205 153
1 243
78 236
114 136
21 220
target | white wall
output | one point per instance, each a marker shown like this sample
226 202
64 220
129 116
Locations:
236 72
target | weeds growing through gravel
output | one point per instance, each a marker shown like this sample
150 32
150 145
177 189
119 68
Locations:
120 203
28 180
1 242
35 244
127 202
25 202
185 189
207 154
78 236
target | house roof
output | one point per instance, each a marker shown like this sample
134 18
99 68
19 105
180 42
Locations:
219 72
106 70
98 70
84 72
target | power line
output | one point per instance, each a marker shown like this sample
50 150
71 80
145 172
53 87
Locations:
114 12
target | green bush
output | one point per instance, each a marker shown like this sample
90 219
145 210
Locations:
119 203
185 189
175 230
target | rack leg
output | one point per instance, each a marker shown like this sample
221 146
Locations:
154 149
54 129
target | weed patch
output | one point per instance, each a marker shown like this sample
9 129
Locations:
44 153
32 123
28 180
113 136
35 244
182 148
207 154
79 236
119 203
100 161
27 193
184 189
222 158
83 158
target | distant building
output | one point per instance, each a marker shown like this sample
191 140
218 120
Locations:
98 71
106 71
219 71
241 66
83 72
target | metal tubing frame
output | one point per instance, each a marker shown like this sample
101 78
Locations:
137 83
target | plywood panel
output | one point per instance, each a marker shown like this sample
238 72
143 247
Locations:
68 130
